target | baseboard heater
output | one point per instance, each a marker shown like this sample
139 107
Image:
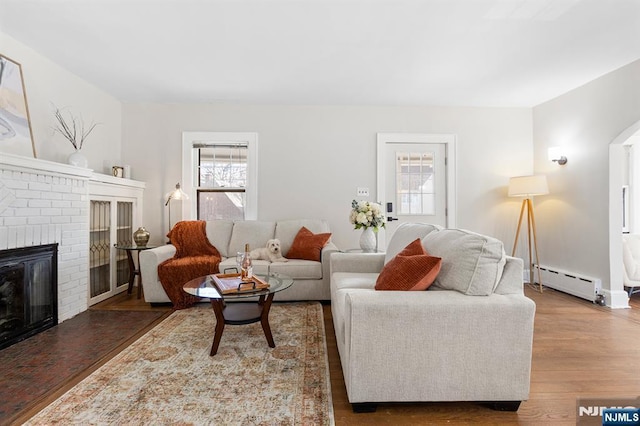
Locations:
568 282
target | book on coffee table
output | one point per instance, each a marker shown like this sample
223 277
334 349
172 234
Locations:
232 283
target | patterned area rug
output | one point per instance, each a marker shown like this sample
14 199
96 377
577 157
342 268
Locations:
168 377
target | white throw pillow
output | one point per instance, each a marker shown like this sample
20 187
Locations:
252 232
219 235
405 234
471 263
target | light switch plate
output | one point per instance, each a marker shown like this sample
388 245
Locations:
362 192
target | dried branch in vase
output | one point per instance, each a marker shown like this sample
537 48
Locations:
73 130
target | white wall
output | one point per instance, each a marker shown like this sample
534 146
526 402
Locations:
47 83
573 221
312 158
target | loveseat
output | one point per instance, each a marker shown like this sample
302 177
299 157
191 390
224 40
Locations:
467 338
311 278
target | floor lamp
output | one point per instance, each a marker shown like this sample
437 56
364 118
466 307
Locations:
527 187
176 194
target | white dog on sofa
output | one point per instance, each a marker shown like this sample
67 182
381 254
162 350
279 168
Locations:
271 252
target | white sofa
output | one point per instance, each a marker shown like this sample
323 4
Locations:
311 278
631 261
440 344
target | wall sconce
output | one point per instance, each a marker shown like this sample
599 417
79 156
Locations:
555 154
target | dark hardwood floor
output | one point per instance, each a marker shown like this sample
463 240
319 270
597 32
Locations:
580 350
36 371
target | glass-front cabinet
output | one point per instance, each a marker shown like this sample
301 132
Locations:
115 212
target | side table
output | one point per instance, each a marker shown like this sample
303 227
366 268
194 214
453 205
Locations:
133 271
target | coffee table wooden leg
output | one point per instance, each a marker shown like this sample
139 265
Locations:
264 320
218 306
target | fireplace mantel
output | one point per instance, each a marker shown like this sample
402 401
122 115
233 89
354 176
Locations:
21 163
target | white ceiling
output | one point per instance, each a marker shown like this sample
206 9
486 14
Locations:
357 52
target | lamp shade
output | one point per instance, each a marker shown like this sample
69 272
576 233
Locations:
176 194
526 186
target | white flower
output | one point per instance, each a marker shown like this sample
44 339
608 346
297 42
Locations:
362 218
366 215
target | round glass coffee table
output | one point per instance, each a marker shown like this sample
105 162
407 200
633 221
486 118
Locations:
239 313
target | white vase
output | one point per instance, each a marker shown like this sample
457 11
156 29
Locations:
77 159
368 240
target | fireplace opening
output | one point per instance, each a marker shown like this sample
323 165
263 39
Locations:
28 292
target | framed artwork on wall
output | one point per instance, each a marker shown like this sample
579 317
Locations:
16 136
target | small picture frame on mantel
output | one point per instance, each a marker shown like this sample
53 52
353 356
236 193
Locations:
118 171
15 123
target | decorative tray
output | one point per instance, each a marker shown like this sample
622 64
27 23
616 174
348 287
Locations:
232 283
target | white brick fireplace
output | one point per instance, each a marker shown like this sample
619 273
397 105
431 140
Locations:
42 202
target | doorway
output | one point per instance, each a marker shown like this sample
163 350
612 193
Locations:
416 179
617 297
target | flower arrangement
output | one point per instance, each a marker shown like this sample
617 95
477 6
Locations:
367 215
72 129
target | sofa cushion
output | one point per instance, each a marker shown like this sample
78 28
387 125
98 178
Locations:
286 230
406 233
411 269
298 269
229 266
471 263
252 232
219 235
307 245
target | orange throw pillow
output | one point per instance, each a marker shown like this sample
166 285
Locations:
412 269
307 245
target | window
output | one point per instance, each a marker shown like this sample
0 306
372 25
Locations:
220 175
222 179
414 183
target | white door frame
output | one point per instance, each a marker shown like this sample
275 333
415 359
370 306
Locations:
419 138
615 295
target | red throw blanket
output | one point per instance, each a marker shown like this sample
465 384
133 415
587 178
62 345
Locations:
195 257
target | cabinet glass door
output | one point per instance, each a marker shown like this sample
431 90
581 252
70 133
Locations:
124 237
111 223
99 248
